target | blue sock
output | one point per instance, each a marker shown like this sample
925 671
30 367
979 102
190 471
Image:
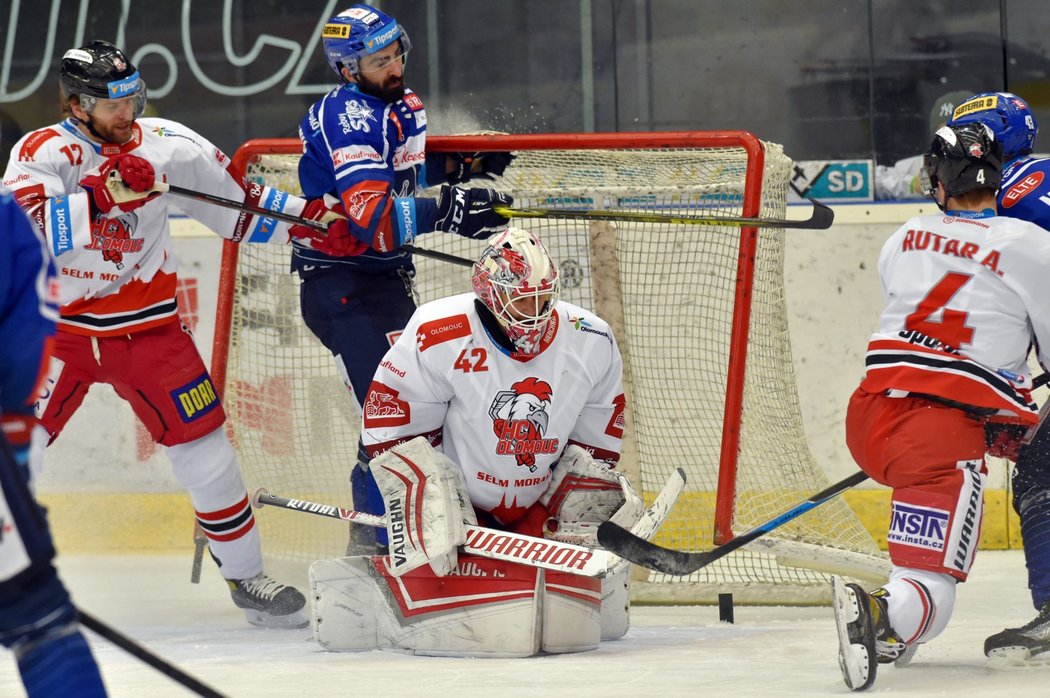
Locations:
1035 530
61 667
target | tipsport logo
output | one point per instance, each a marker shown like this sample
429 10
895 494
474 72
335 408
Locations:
520 417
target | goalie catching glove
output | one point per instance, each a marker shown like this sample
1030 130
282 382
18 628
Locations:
124 181
426 506
469 212
337 241
585 493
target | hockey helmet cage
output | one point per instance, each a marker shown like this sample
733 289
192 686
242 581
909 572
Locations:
100 70
963 158
517 280
358 32
1009 117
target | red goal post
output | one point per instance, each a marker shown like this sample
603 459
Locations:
698 311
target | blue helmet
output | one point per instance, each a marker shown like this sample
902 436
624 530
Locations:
357 32
1009 117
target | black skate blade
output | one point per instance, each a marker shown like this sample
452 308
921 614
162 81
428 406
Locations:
857 661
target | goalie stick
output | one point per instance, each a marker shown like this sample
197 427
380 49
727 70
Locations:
679 562
294 220
513 547
821 218
481 541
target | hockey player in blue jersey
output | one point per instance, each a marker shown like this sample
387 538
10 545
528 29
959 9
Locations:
1023 193
364 146
38 621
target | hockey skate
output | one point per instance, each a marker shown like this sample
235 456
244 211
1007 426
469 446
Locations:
268 603
865 636
1019 645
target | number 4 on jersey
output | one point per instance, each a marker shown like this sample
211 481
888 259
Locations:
951 328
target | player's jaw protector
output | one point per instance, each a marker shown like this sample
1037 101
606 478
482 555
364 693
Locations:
517 280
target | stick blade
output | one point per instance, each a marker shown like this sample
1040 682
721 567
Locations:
821 218
630 547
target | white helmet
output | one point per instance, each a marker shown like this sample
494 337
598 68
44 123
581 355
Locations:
518 281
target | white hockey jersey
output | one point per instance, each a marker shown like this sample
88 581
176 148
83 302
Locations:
965 299
504 418
117 273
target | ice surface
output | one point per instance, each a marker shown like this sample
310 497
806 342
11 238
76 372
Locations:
670 651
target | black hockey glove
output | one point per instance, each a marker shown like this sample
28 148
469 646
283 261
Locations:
477 166
468 212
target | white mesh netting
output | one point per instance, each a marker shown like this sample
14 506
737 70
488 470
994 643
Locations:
668 291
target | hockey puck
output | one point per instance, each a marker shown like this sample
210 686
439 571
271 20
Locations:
725 608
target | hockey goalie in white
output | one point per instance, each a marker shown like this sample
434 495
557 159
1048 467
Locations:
502 407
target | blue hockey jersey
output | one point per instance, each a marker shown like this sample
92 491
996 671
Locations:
1025 191
369 154
28 306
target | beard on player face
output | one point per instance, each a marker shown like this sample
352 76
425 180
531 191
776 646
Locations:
389 89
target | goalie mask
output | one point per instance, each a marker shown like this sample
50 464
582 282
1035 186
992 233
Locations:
963 158
99 71
358 32
517 280
1009 117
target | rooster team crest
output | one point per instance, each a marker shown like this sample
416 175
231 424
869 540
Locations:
519 419
113 237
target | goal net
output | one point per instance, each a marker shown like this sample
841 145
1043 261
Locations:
699 314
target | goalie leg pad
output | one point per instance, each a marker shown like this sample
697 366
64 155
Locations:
482 608
572 613
425 500
343 604
616 603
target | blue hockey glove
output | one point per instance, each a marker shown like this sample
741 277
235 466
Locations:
477 166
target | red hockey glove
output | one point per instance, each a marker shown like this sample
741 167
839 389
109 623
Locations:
1004 440
124 181
338 241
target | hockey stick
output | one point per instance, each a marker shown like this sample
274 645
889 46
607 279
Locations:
653 517
200 544
131 647
294 220
483 542
821 218
678 562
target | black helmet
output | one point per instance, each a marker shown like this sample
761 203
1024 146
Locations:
100 70
963 158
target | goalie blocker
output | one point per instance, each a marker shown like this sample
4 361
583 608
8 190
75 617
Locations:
466 605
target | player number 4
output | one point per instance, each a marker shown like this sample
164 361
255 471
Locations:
951 328
471 360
